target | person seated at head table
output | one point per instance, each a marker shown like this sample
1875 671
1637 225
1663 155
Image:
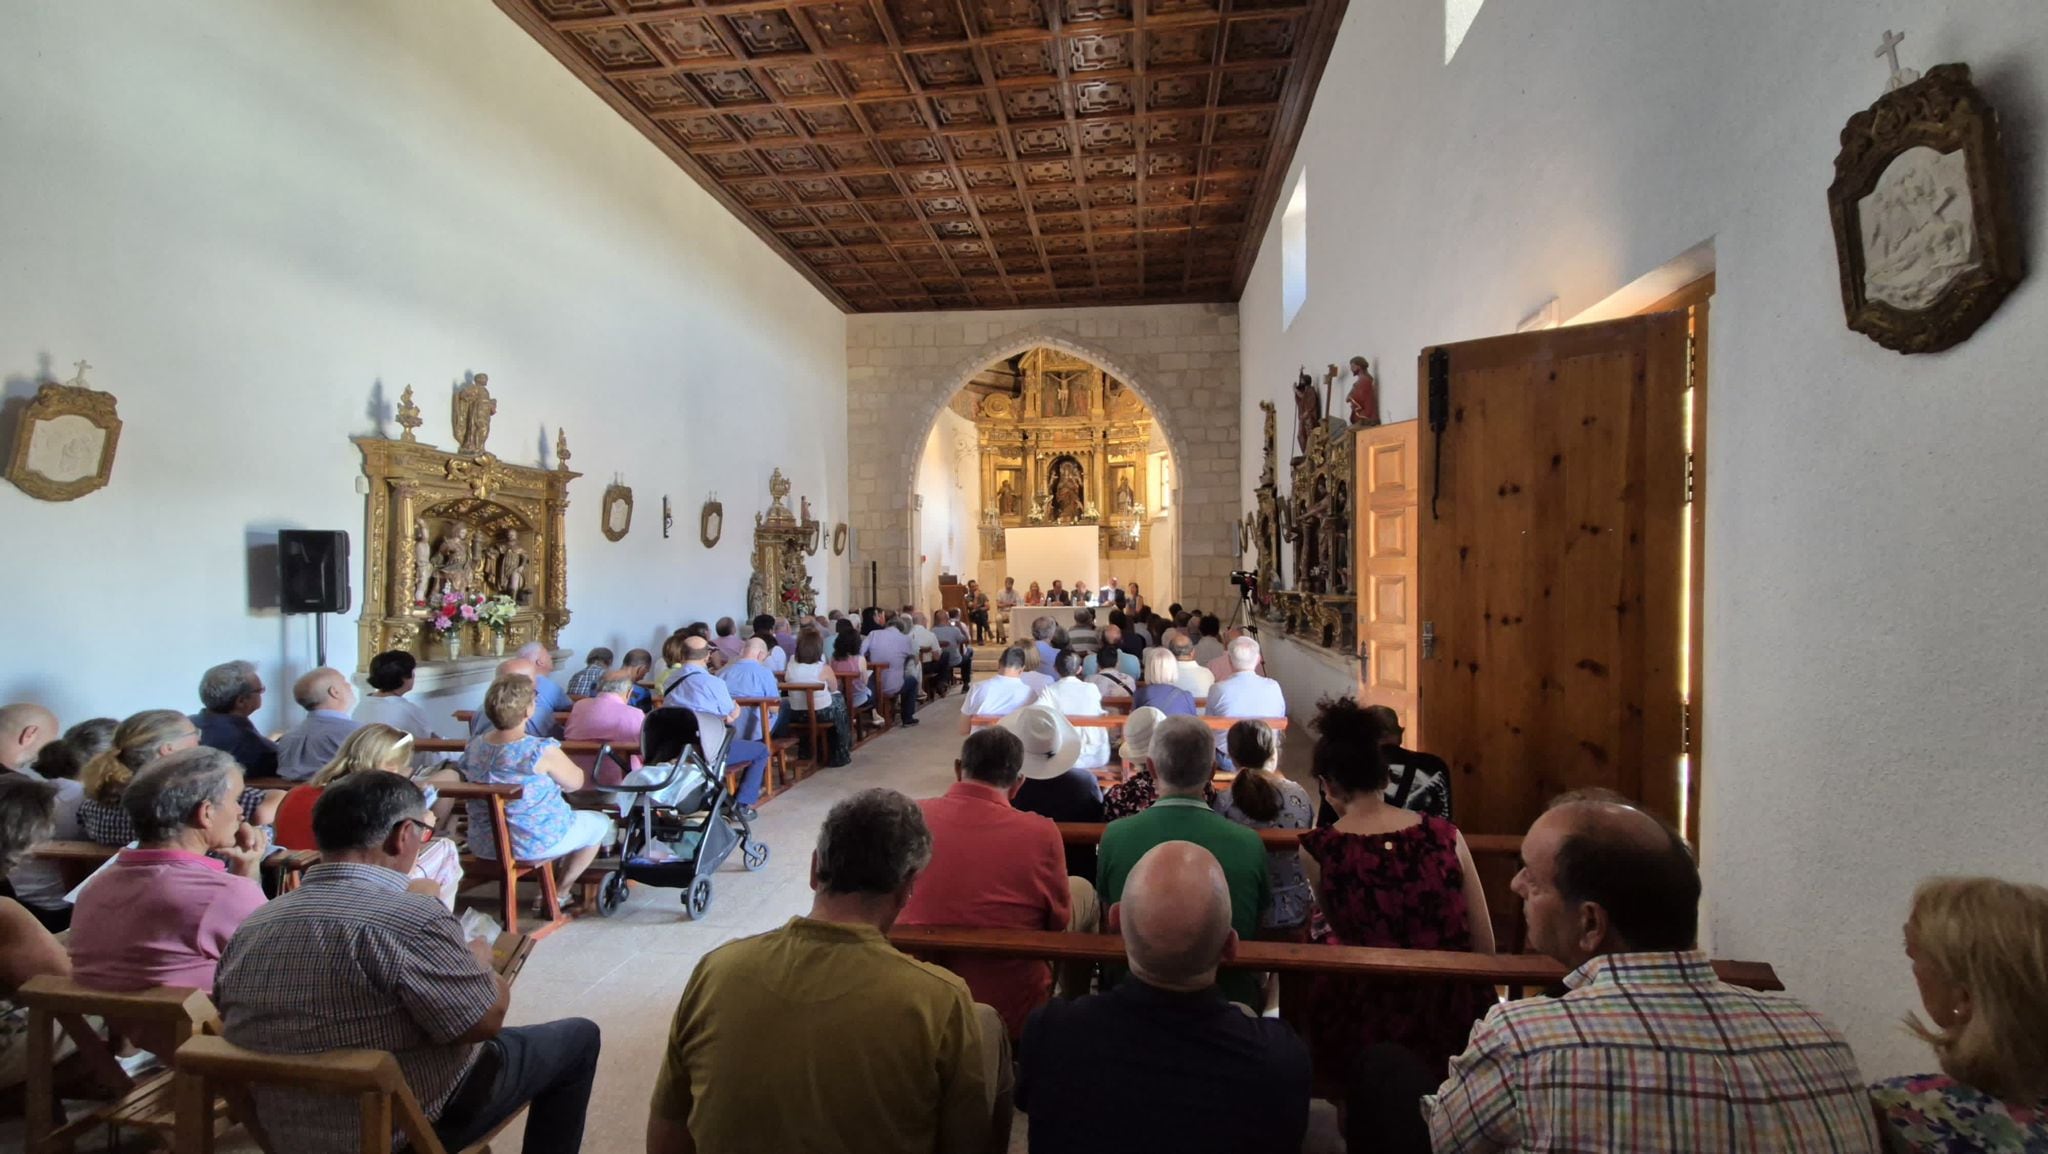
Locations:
607 715
1052 786
1075 697
328 699
391 678
1161 688
28 814
1645 1030
773 655
808 667
934 1065
542 825
750 676
1979 949
1261 797
695 688
540 724
378 748
1192 1072
1057 595
229 693
391 971
596 664
1183 762
162 913
995 866
1033 596
31 747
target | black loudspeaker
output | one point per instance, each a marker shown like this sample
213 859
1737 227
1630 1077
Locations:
312 571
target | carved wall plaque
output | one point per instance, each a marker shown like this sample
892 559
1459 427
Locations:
65 445
617 511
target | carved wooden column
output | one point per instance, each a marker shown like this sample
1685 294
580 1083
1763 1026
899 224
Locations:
404 573
557 561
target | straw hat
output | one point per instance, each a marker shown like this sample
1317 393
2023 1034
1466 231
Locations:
1138 732
1051 743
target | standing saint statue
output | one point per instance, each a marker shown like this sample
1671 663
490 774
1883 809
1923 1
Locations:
1364 395
1067 497
1006 499
422 562
474 408
1125 499
1308 411
512 561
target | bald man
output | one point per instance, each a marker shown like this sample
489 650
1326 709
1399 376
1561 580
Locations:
329 701
694 687
24 730
750 676
1645 1031
1193 1072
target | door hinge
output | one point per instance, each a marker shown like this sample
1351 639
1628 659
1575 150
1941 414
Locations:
1365 662
1688 478
1692 351
1428 640
1685 727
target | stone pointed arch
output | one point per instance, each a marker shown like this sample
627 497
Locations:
1180 359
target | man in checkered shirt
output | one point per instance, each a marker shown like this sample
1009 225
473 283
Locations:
1647 1052
355 959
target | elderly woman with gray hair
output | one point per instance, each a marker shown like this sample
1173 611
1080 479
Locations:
163 912
28 812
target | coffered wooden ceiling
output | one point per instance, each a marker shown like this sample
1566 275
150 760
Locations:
955 154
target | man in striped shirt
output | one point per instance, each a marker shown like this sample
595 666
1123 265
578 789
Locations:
1647 1052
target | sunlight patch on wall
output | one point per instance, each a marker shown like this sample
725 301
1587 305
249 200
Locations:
1458 17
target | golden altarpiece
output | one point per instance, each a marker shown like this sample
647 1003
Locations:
1310 526
781 582
465 522
1071 446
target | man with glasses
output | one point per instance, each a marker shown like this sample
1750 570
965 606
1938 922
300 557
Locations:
352 959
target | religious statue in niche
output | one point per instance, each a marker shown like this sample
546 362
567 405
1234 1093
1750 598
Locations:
1067 491
511 568
1268 470
1924 231
1364 396
1308 411
1124 501
474 408
1007 501
451 564
422 561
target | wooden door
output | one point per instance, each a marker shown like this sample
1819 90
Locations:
1550 569
1385 562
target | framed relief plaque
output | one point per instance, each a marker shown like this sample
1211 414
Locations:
617 510
64 445
1923 222
839 540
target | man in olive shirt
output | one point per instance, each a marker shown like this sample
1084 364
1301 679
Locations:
821 1035
1183 758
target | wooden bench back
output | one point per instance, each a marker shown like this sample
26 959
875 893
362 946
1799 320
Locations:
1119 720
164 1016
1481 845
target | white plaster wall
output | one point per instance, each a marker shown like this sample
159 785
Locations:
948 525
1874 614
252 216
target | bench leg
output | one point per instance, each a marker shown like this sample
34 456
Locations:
508 875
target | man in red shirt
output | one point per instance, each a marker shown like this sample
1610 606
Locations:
996 866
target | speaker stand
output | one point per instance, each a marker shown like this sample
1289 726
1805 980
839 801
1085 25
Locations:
320 639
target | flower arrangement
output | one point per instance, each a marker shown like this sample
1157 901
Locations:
497 613
455 609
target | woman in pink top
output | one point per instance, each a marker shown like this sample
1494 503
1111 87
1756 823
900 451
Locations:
163 912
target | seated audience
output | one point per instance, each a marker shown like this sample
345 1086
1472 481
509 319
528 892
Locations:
1083 636
542 825
1077 698
1139 788
1191 675
1979 948
1112 654
393 972
728 640
391 678
953 655
162 913
328 698
24 730
596 664
640 664
1003 694
864 1048
229 693
807 667
1220 666
785 635
998 867
750 677
1052 786
772 654
1246 693
380 748
1415 781
697 689
893 654
1645 1030
606 714
1209 646
1261 797
1191 1073
542 724
924 644
1043 632
549 695
31 748
1109 678
1183 758
977 611
28 814
138 741
846 658
1161 688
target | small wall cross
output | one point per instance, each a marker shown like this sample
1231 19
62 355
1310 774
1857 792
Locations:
1889 50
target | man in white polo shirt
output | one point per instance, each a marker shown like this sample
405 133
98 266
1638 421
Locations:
1245 693
1003 694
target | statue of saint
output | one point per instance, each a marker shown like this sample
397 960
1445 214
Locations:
1125 499
512 561
422 562
1296 533
1337 530
451 562
1006 499
1308 411
474 408
1067 498
1364 395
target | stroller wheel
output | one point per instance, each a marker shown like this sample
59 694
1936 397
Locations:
754 854
697 899
611 894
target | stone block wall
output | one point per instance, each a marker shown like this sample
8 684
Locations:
1182 359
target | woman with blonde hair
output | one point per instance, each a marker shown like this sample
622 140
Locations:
1979 948
377 747
137 741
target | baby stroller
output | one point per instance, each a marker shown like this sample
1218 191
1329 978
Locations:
677 821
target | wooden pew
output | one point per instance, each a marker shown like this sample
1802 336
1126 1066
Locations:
779 771
813 727
1119 720
1518 972
167 1016
466 716
76 861
504 870
1122 704
1481 845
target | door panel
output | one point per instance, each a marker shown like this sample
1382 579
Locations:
1387 629
1550 571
